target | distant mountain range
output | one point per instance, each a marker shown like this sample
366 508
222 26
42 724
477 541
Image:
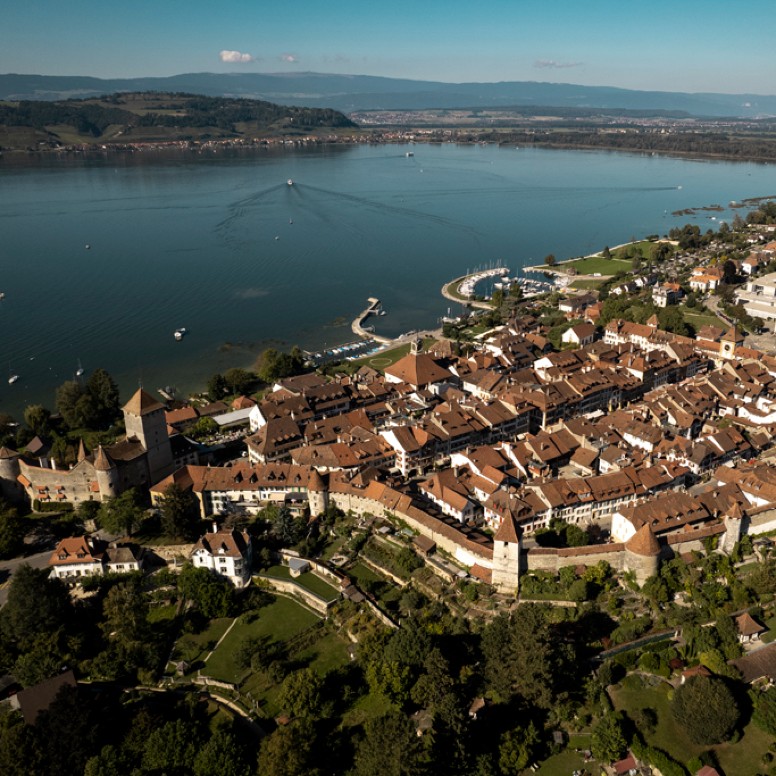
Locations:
350 93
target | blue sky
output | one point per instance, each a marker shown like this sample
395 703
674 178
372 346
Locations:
683 45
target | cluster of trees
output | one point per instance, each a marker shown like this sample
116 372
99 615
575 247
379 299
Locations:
96 732
639 310
760 147
91 118
93 405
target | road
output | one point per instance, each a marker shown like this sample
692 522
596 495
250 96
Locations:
7 567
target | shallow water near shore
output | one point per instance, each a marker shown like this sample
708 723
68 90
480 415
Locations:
221 244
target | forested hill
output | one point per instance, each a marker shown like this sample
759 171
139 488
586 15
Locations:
148 117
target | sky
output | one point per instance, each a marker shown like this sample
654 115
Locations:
676 45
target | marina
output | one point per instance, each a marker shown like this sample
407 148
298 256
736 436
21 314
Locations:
363 226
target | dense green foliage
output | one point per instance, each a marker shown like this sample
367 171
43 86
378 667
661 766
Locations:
90 118
706 709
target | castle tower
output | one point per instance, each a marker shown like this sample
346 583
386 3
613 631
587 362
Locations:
317 494
642 554
734 523
81 451
506 556
107 474
144 419
10 487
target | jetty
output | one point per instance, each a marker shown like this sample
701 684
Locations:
361 330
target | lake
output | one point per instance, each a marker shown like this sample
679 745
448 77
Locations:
219 243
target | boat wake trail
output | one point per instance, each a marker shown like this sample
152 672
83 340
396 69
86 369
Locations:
402 212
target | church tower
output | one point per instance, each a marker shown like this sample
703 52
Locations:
506 556
145 421
729 341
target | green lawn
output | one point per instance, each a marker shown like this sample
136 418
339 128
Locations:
280 620
565 763
593 264
362 573
308 581
701 319
740 759
588 284
770 636
192 647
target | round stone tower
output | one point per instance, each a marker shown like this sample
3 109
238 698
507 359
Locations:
10 487
107 474
317 494
642 554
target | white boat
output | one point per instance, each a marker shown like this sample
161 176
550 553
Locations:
12 379
80 370
2 295
409 153
290 182
179 334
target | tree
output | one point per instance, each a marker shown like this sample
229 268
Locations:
301 693
172 746
74 405
36 416
222 755
288 751
274 364
180 512
203 428
216 387
239 380
390 747
12 531
607 740
706 709
523 656
122 514
550 260
36 604
104 394
43 658
213 594
285 527
517 749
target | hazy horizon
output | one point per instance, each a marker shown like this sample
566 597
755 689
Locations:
679 47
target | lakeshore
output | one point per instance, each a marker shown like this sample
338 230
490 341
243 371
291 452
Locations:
191 242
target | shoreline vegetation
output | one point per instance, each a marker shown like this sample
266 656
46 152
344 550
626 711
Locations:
48 150
134 122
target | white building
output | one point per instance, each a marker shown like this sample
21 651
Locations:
228 553
84 556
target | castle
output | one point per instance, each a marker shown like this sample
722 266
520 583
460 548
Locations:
143 457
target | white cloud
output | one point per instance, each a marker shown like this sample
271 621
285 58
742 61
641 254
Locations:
553 64
235 56
290 58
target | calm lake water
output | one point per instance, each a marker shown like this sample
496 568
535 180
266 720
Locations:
220 244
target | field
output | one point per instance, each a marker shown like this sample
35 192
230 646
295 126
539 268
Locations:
740 759
278 621
597 264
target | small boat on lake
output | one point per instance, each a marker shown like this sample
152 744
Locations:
290 182
80 370
180 334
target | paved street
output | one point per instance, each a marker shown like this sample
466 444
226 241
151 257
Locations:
7 568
